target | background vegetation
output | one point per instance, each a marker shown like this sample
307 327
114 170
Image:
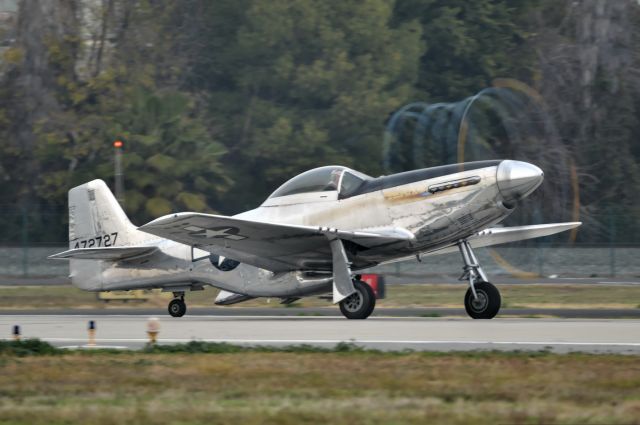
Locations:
220 102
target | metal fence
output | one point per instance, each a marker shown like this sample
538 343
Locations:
30 262
524 262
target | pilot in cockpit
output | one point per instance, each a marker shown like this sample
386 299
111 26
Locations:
334 180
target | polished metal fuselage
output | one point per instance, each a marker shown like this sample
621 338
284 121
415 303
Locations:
436 219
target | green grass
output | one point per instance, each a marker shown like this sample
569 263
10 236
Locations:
416 295
518 296
28 347
36 347
223 384
45 297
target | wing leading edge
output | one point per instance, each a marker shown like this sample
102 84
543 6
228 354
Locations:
500 235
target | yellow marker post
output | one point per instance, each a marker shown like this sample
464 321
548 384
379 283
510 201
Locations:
16 332
92 333
153 328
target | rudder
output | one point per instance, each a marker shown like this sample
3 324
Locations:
96 219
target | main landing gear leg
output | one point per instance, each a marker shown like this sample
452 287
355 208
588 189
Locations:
177 306
482 300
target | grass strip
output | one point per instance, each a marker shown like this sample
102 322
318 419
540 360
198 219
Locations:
204 383
411 295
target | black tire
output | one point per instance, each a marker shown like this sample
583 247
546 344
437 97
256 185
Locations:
177 308
359 305
488 303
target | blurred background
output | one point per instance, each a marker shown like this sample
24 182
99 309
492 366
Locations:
217 103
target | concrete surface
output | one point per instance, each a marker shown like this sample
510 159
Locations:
428 334
569 313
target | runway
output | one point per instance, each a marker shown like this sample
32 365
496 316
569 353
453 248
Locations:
422 334
567 313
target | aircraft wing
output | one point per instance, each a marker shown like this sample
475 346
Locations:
500 235
271 246
113 253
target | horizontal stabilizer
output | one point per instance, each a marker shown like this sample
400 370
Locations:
114 253
228 298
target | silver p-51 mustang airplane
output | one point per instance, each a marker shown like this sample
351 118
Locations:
309 237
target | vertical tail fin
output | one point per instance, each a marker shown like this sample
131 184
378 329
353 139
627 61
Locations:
96 219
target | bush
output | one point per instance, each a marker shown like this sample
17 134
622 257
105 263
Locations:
196 347
223 347
28 347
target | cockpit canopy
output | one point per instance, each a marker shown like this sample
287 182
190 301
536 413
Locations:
331 178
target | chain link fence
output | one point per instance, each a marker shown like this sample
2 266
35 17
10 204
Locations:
31 263
29 235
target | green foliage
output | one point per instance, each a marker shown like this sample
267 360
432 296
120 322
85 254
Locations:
468 44
36 347
196 347
306 84
171 159
27 347
220 102
13 55
224 348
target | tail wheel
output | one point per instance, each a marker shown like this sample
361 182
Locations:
486 305
360 304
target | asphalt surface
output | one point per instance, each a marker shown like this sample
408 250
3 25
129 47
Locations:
425 334
568 313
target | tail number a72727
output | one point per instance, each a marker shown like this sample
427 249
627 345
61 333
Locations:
106 240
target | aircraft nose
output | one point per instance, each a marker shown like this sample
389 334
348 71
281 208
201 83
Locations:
517 179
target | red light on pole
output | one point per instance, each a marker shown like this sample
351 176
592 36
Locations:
118 144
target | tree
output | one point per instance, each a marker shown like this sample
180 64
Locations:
468 44
44 52
589 75
172 160
220 102
80 106
305 84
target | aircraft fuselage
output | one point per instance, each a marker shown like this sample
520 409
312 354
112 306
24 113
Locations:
439 206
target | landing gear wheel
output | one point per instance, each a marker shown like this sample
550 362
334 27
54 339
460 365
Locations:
360 304
487 305
177 307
